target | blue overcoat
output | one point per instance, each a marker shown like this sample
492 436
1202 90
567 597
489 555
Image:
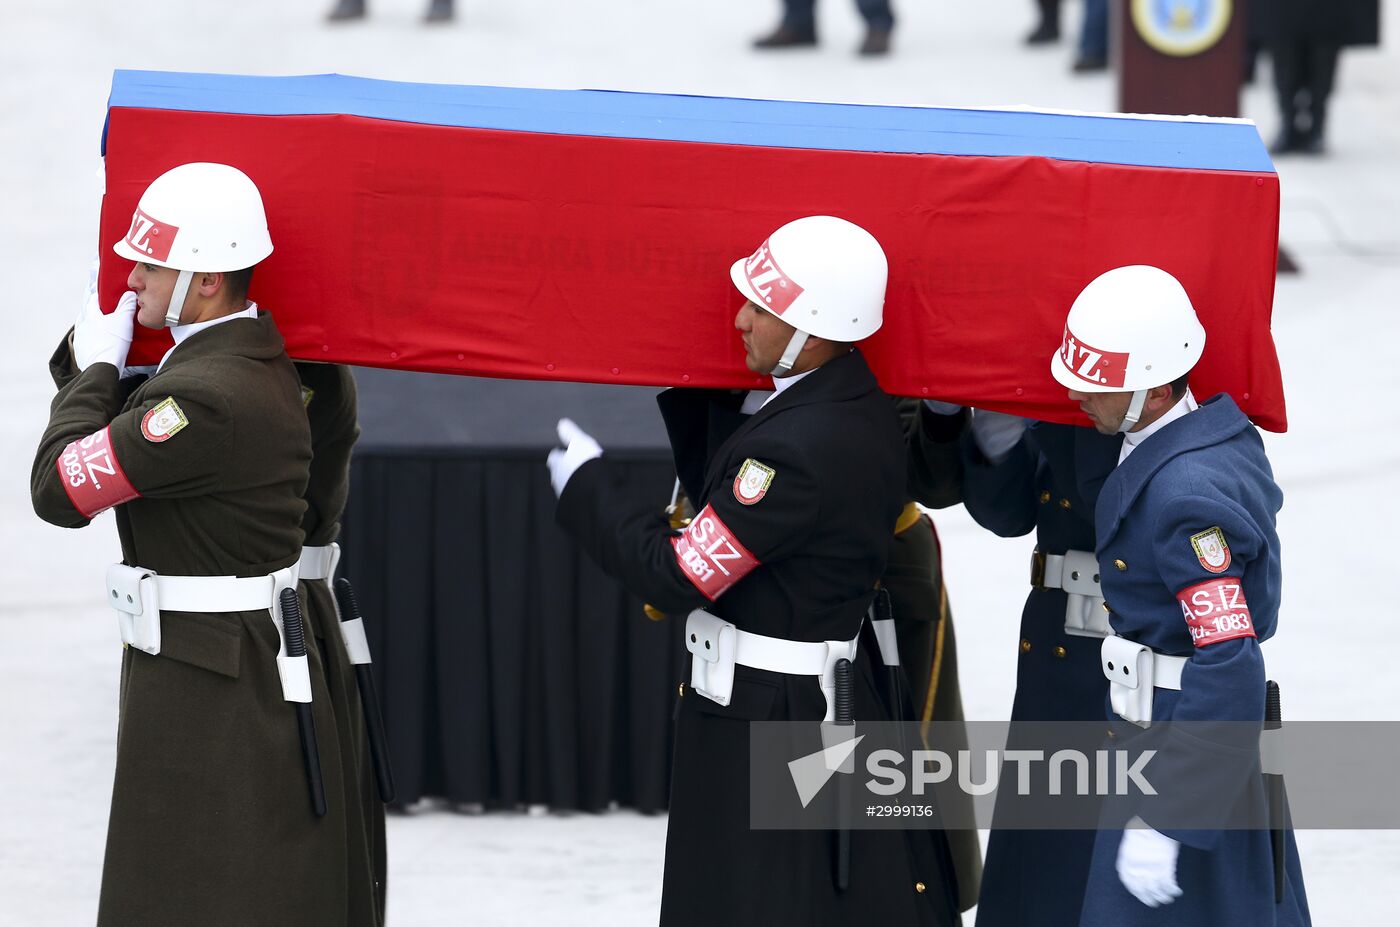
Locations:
1189 559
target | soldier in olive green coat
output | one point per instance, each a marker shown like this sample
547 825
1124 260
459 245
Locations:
923 620
328 392
206 464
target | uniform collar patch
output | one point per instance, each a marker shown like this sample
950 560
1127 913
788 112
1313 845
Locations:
752 482
1212 550
163 421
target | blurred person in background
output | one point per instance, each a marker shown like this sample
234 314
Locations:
439 11
1305 38
1047 30
798 28
1093 39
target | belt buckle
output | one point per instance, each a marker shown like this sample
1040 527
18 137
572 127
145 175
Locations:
1037 569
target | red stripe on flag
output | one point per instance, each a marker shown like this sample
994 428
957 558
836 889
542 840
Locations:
568 257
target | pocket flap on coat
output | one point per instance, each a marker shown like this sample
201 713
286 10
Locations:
211 642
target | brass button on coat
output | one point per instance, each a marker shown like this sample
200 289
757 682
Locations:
1060 652
680 691
1025 646
1064 503
1044 496
1105 607
920 887
1120 565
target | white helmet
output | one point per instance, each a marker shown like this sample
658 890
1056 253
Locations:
199 217
1131 329
822 275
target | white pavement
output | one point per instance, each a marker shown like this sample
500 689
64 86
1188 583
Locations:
1335 326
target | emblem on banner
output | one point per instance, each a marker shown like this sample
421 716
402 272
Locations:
163 421
1212 550
752 482
775 289
150 237
1101 368
1181 28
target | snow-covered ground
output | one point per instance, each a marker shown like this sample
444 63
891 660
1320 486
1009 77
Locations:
1336 336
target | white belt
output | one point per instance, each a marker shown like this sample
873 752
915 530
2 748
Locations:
214 593
1133 671
319 562
1077 573
140 596
717 646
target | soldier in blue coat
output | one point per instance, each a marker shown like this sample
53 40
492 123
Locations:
1044 478
1189 559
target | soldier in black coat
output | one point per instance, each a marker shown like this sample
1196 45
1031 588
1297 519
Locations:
796 510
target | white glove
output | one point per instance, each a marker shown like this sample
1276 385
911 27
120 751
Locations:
579 448
996 433
104 339
1147 865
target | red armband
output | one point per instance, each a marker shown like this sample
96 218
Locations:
92 477
711 556
1216 611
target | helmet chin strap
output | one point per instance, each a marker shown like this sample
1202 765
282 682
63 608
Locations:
1134 411
794 347
177 298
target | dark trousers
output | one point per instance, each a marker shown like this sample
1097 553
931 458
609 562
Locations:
800 15
1093 38
1304 73
1049 11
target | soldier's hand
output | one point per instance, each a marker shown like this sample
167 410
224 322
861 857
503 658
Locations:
1147 866
996 433
104 338
579 448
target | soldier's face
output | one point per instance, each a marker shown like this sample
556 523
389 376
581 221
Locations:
1105 410
765 337
153 286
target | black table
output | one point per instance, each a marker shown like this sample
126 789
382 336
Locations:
510 668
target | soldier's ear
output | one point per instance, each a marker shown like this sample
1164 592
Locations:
1160 397
210 283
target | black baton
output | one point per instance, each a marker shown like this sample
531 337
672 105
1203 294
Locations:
295 635
844 712
369 700
1273 789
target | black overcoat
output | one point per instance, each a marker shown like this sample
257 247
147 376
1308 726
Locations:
818 537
